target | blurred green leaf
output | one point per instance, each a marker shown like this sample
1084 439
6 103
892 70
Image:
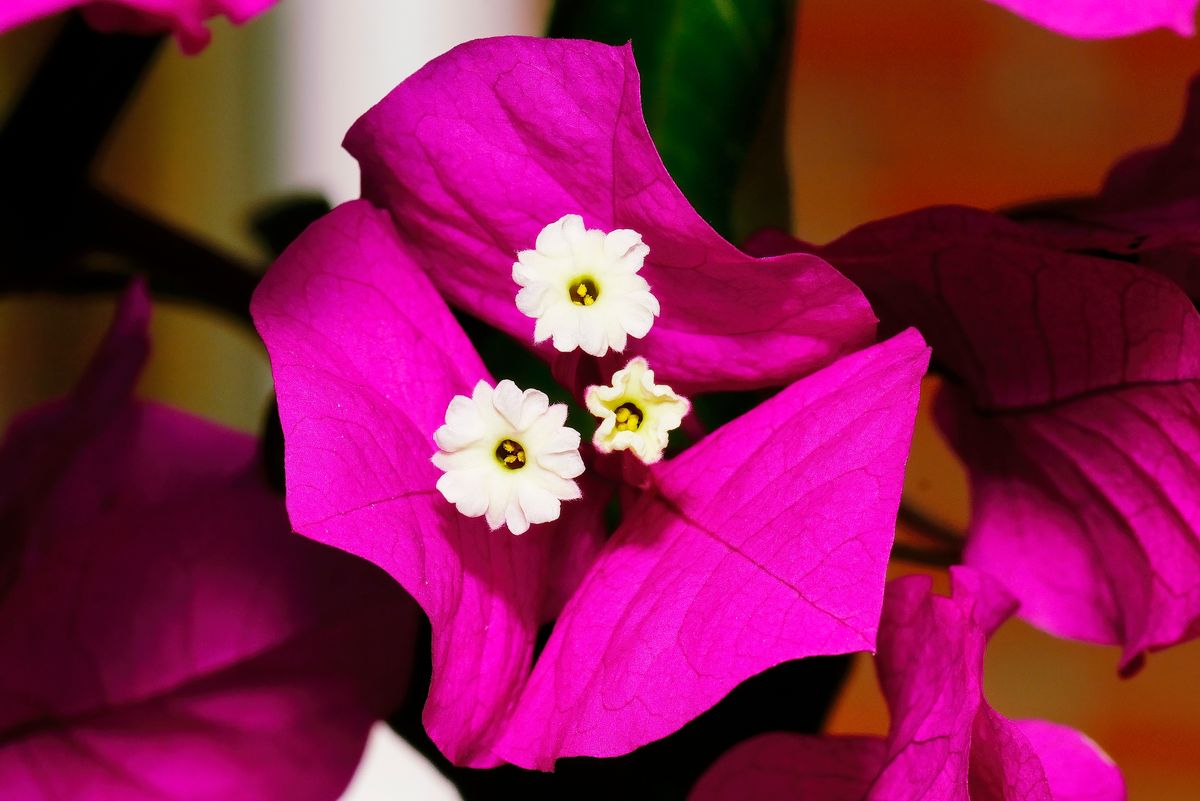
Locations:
711 71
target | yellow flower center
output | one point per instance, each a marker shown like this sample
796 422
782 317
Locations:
583 291
511 454
629 417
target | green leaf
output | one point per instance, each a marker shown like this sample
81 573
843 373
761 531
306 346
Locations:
711 71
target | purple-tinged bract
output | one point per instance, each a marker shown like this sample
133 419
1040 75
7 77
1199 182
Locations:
166 636
186 19
488 144
764 542
1147 211
945 742
1075 404
1105 19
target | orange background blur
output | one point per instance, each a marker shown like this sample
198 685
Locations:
899 105
891 106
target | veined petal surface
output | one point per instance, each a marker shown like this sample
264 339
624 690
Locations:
366 358
167 637
764 542
486 145
945 742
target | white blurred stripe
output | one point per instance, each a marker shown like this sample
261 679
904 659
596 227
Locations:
338 58
391 770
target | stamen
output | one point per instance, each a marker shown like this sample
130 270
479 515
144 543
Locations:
583 292
511 454
629 417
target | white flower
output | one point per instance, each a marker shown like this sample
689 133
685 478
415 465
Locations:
506 455
583 288
636 414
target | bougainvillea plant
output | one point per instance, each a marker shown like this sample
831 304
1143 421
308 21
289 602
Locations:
743 526
461 155
583 493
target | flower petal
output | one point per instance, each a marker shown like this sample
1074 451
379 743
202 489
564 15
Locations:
943 732
943 738
366 358
1146 212
793 767
1104 19
1076 768
485 145
185 18
744 557
1021 323
1088 512
1077 415
175 639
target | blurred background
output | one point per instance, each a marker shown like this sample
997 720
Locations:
890 106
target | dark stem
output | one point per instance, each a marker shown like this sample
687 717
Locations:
929 528
175 263
51 138
937 557
123 242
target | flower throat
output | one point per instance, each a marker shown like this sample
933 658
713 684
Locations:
584 292
511 454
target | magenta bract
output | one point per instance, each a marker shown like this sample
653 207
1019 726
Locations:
766 541
167 636
945 742
1104 19
366 358
1075 410
184 18
485 145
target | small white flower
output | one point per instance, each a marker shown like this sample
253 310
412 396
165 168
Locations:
583 288
636 414
507 456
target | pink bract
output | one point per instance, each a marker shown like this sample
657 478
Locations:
168 637
1074 402
1104 19
766 541
184 18
484 146
945 742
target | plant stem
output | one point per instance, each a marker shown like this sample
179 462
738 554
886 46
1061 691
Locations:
927 527
51 138
124 242
924 556
175 263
